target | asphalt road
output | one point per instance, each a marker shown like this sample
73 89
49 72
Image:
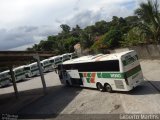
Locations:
72 100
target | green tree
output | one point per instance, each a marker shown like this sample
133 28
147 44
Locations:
112 38
101 27
150 20
109 40
86 40
65 28
69 44
132 20
98 46
76 31
134 37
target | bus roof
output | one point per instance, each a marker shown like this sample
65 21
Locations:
35 63
6 71
66 54
54 57
20 67
44 60
99 57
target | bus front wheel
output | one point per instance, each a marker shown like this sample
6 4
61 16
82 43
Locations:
100 87
108 88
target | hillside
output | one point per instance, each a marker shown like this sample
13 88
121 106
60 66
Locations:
141 28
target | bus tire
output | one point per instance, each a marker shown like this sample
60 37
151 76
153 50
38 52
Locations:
29 76
100 87
108 88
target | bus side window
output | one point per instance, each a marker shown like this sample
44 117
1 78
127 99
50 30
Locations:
110 65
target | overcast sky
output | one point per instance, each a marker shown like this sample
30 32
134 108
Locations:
26 22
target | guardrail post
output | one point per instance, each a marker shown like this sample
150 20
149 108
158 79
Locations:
41 73
13 81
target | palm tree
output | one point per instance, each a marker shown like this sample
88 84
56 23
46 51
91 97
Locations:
150 19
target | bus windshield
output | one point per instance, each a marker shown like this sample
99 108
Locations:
129 59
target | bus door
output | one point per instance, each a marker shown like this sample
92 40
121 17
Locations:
74 77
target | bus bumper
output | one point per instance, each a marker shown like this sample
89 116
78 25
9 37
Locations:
137 83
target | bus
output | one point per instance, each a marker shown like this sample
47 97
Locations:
56 60
109 72
31 70
5 78
72 55
19 73
65 57
46 65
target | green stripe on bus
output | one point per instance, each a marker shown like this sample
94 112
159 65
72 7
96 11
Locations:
105 75
47 65
110 75
16 75
34 70
115 75
133 71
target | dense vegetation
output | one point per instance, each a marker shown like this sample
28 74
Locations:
142 28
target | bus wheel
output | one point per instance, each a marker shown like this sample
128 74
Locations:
108 88
29 76
100 87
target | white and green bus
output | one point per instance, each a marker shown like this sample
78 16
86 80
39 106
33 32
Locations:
31 70
19 73
65 57
109 72
5 78
56 60
46 65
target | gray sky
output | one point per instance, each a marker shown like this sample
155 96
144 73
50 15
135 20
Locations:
26 22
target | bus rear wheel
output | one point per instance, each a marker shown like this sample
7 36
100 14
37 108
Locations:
108 88
100 87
